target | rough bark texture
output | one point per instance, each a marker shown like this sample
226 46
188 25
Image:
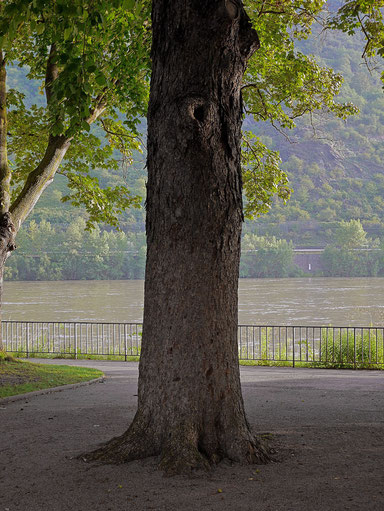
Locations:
5 173
7 231
7 245
190 407
38 180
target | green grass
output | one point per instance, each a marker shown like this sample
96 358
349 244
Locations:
19 377
41 349
71 356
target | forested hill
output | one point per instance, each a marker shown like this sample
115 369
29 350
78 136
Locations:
337 176
336 168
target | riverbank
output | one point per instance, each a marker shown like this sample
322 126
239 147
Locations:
326 427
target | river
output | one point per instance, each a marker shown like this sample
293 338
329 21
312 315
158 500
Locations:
306 301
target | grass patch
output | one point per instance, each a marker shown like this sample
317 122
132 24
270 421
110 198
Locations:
19 377
265 363
281 363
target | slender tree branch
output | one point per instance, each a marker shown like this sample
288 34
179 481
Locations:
255 85
39 179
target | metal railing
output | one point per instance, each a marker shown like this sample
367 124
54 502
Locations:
74 339
354 347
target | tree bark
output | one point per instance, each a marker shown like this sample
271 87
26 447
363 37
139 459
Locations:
7 231
190 407
7 245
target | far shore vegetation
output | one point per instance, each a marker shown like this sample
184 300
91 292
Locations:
49 252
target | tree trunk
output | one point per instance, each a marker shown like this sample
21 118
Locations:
190 407
7 230
7 244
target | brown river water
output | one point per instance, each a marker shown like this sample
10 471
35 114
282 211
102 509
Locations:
305 301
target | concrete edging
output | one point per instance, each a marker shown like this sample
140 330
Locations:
70 386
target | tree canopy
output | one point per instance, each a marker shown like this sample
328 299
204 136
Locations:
92 61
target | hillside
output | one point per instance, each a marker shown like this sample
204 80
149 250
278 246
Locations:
336 168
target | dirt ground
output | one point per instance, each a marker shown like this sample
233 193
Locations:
328 429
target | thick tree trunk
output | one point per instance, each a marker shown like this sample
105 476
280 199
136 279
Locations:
7 244
190 407
7 230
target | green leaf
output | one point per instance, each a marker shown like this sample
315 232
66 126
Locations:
40 28
85 126
128 4
100 80
67 33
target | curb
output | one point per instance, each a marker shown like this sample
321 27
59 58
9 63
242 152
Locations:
70 386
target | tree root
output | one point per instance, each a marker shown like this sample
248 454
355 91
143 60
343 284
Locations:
182 456
135 444
179 451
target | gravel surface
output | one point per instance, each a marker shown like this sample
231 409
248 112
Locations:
327 425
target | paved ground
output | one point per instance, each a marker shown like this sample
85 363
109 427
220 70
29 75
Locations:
328 427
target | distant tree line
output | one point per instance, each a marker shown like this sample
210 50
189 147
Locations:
352 254
46 252
347 262
264 257
54 252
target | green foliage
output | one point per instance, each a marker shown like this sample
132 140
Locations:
262 176
363 17
49 253
352 263
266 257
339 175
92 63
102 205
350 234
100 49
352 348
282 84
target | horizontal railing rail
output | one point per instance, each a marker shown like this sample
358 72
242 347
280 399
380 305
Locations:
337 346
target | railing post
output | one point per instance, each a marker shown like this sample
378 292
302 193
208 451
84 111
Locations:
27 340
75 339
293 346
125 342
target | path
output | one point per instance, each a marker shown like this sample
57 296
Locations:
328 427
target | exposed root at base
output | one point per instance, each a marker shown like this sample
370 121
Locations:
259 452
189 459
185 458
131 445
179 454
